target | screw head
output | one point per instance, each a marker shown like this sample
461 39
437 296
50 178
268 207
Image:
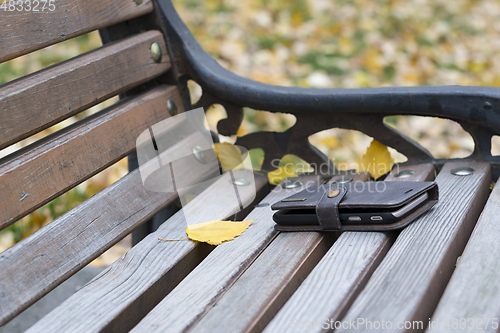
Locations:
344 180
199 154
240 182
171 106
289 184
405 174
155 52
462 171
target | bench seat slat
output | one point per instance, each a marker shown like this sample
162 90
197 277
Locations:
127 290
407 285
37 101
263 288
33 267
197 293
59 162
335 282
25 31
278 271
474 288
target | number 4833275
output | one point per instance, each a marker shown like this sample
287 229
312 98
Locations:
28 5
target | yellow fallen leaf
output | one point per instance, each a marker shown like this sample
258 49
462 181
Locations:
296 164
377 160
216 232
229 156
276 176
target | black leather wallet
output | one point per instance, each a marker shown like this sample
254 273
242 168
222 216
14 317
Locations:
359 206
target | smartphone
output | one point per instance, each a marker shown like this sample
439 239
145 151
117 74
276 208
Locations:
350 216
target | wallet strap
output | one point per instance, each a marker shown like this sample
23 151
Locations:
327 209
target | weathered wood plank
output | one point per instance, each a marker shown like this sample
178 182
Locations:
35 175
44 98
40 24
335 282
278 271
124 293
198 292
267 284
33 267
473 292
408 283
418 172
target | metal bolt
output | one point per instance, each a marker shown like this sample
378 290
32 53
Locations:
156 52
405 173
199 154
462 171
171 106
333 194
289 184
240 182
344 180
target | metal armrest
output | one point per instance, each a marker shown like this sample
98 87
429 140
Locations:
476 109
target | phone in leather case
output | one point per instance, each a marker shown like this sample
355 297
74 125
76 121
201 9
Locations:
369 206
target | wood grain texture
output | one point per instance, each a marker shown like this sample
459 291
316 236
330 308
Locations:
267 284
33 267
125 292
51 95
29 30
408 283
33 176
201 289
335 282
473 292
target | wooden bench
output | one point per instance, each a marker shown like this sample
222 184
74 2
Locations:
263 280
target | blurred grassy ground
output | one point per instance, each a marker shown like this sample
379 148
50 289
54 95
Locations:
315 43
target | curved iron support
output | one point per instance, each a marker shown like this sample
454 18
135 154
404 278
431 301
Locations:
477 109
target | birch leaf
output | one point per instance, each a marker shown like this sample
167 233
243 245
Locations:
276 176
229 156
216 232
377 160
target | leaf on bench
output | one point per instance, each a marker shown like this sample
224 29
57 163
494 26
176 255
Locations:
377 160
230 156
216 232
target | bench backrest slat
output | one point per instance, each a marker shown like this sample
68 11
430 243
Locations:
35 175
33 28
37 101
